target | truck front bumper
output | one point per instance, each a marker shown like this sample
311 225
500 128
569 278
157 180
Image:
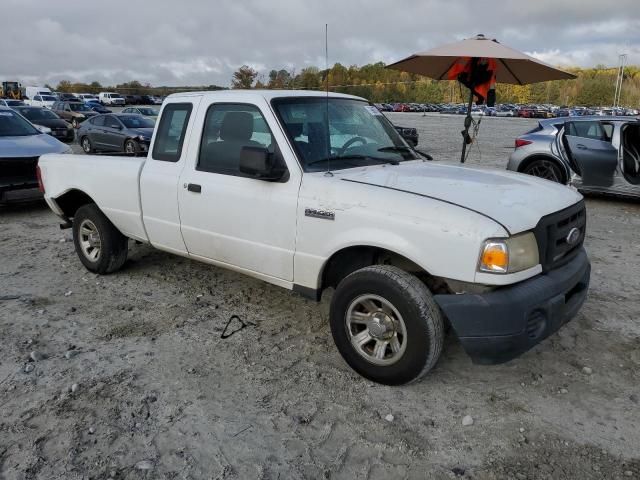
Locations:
497 326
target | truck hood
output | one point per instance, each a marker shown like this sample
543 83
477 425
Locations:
515 201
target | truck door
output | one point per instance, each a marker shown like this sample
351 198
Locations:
227 216
161 174
591 153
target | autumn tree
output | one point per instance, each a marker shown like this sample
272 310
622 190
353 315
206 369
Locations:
243 77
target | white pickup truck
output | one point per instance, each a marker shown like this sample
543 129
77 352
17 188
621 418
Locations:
309 192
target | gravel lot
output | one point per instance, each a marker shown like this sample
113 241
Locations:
132 379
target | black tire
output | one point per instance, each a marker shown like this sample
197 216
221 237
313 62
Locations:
131 147
545 168
85 143
113 246
421 316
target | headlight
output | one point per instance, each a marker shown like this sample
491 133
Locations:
509 255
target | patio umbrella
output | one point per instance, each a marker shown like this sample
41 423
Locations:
479 63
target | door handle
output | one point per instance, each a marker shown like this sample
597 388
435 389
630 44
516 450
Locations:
195 188
581 146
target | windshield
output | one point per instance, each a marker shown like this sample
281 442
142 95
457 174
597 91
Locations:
13 125
148 111
37 114
79 107
48 98
359 134
136 121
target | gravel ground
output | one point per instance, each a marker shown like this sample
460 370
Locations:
128 376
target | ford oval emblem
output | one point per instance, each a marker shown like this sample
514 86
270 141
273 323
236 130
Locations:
573 236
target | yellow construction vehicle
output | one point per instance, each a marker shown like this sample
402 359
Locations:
11 90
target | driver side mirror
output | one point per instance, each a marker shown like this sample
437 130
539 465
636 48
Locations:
259 163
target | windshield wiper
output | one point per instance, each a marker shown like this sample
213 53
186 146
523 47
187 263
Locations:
355 157
402 148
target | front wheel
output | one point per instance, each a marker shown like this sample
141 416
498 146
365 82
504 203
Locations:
386 325
99 244
547 169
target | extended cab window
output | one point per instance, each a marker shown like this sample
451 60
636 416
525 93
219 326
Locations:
171 132
228 128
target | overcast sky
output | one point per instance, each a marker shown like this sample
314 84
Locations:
201 42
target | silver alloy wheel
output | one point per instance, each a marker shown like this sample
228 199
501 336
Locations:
129 147
376 329
544 169
89 240
86 145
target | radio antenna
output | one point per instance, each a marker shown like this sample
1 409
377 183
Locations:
326 116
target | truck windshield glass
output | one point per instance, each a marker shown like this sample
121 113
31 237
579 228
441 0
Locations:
357 135
13 125
48 98
136 121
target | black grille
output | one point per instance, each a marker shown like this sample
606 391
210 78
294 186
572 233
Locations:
552 234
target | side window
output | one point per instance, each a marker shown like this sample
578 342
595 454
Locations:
111 122
591 130
98 121
37 98
228 128
171 132
608 131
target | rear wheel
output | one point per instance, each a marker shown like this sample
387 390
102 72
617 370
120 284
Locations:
547 169
386 325
85 142
99 244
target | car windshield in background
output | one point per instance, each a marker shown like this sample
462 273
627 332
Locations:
79 107
13 125
358 134
37 114
48 98
148 111
136 121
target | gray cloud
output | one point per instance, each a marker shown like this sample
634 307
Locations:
199 42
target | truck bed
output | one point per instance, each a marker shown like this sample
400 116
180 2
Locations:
113 182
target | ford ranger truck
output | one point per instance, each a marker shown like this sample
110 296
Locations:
313 192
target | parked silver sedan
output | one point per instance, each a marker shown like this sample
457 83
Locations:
594 154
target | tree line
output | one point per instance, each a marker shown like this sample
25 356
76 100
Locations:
592 87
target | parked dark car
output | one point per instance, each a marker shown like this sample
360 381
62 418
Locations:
97 107
116 132
75 112
44 117
21 144
68 97
146 100
132 99
595 154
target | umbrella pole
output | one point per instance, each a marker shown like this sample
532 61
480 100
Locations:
467 124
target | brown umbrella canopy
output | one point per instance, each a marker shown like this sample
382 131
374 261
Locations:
512 66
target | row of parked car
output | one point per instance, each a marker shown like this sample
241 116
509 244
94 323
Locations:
508 110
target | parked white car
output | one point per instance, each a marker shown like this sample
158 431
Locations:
108 98
308 193
41 101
